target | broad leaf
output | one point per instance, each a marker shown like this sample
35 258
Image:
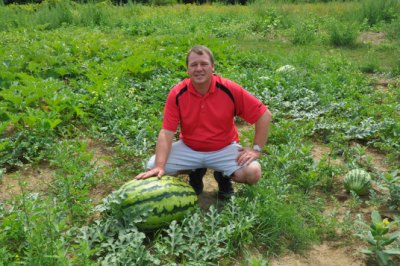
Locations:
376 217
392 251
383 258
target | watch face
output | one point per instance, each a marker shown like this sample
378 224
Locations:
256 148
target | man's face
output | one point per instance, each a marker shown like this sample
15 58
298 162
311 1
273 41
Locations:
200 68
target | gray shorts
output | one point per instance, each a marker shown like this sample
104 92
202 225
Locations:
182 158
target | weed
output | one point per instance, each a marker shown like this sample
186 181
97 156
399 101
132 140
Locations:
303 33
379 238
343 35
391 182
374 11
31 229
73 179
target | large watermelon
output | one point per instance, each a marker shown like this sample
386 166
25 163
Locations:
357 180
170 198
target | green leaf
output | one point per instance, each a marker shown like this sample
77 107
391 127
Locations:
371 239
12 97
383 258
395 234
54 123
367 251
4 145
79 111
376 217
392 251
388 240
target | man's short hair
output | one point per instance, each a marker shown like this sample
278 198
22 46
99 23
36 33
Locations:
200 50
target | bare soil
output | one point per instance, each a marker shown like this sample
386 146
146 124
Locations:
325 254
371 37
209 195
26 179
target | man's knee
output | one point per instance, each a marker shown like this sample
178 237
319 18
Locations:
249 175
257 175
254 176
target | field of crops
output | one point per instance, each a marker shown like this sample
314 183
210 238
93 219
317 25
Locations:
82 90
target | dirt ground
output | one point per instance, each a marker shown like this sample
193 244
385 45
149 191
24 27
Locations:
209 195
29 179
369 37
322 255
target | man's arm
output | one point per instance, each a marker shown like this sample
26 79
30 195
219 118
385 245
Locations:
163 147
247 155
262 129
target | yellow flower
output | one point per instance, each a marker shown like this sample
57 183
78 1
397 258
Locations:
386 221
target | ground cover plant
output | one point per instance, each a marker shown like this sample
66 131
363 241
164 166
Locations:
82 89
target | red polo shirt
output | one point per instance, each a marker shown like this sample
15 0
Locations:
207 122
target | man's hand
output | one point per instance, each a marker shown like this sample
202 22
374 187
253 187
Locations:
159 172
247 155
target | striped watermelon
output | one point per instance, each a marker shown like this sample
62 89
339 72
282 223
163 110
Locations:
357 180
170 198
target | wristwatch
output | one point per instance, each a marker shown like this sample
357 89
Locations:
257 148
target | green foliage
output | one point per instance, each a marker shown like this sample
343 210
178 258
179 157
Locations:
293 226
74 177
380 239
267 21
256 262
303 33
53 16
375 11
303 1
200 238
31 228
393 30
391 181
341 34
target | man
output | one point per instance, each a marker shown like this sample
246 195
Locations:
204 106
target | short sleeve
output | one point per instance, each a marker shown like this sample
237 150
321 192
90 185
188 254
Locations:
248 106
171 113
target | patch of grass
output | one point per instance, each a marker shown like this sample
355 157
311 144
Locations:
375 11
342 34
303 33
393 30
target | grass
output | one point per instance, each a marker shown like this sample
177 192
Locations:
286 52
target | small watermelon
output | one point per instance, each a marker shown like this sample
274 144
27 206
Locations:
357 180
169 197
